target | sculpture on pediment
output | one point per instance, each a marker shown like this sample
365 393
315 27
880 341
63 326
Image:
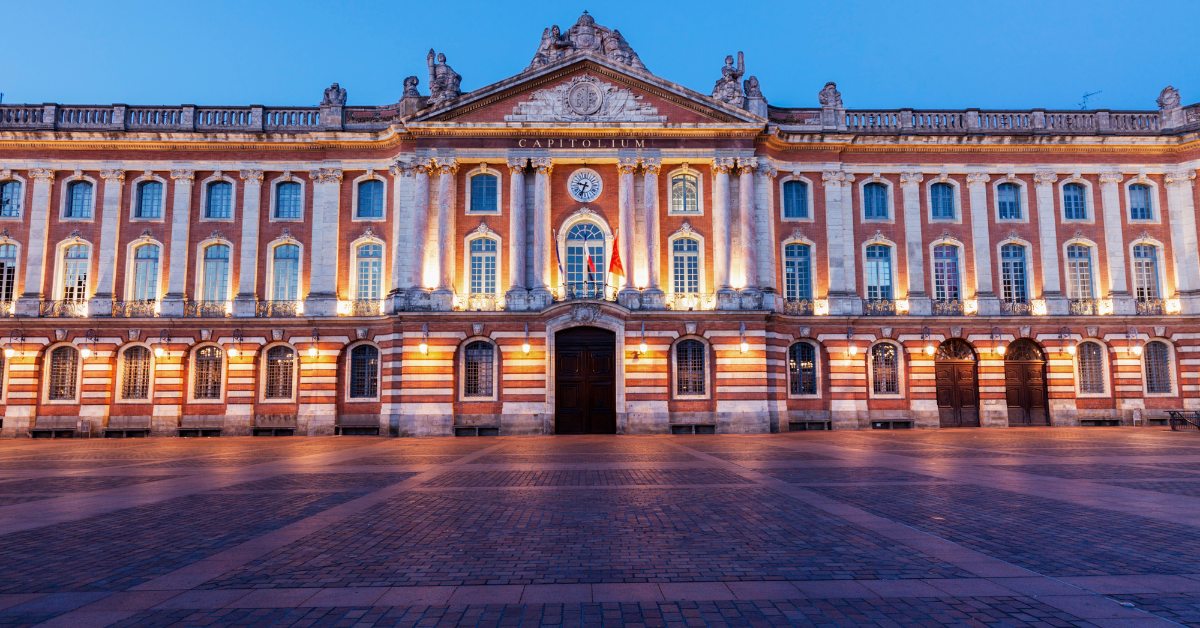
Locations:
752 88
830 96
587 35
334 95
443 80
729 87
410 87
1168 99
584 98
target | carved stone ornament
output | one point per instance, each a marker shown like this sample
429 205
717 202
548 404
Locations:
477 329
1024 331
878 237
887 332
276 334
5 235
1078 233
368 232
286 235
975 179
585 36
59 334
41 174
910 178
443 80
956 332
360 333
1112 178
482 229
115 175
584 98
216 235
1093 331
1168 99
797 234
335 95
585 312
728 88
326 175
690 328
177 175
685 229
252 176
218 174
205 334
1013 235
1173 179
287 175
410 87
1044 178
5 174
146 234
1160 332
134 335
75 235
829 96
806 332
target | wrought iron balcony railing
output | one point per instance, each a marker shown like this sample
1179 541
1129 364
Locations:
480 303
1083 307
63 309
278 309
948 307
361 307
1015 307
685 301
1151 307
576 290
879 307
8 308
207 309
799 307
135 309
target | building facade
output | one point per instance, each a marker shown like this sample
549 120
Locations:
449 263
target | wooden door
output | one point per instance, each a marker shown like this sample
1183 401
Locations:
957 384
1025 385
585 397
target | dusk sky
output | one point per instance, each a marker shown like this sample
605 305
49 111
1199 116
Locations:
944 55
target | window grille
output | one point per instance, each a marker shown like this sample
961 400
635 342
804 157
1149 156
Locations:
802 369
76 264
216 272
942 198
945 272
797 268
1074 203
685 193
8 271
478 369
370 271
1091 367
220 200
580 278
1009 201
483 193
483 266
135 373
288 198
879 272
885 369
686 265
79 200
1079 271
689 368
149 199
281 367
209 363
364 372
287 272
1158 367
1145 271
64 362
145 273
370 199
1012 267
1139 202
795 199
875 200
10 199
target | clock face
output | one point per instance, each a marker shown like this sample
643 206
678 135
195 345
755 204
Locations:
584 185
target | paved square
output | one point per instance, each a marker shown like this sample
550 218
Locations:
1092 527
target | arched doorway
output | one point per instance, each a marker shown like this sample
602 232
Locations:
1025 384
585 378
957 384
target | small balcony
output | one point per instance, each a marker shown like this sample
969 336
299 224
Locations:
799 307
8 308
689 301
879 307
360 307
579 290
135 309
1150 307
948 307
278 309
1015 307
479 303
1084 307
63 309
207 309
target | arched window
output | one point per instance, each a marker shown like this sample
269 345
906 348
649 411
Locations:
1158 367
364 372
287 272
585 261
885 369
477 369
1139 202
1079 271
802 369
288 197
879 272
1012 269
685 265
1074 202
370 199
795 199
370 272
136 369
1145 272
689 368
149 200
210 362
945 272
875 202
64 365
281 368
1090 356
483 266
797 271
219 202
483 193
145 273
76 264
941 196
10 199
216 272
79 200
1009 201
685 193
8 272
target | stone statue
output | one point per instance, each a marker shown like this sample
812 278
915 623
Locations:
443 81
752 89
585 35
728 88
410 87
1168 99
830 96
334 95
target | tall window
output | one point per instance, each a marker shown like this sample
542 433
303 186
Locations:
370 272
483 266
1079 271
875 202
216 272
689 368
942 198
287 272
945 272
585 260
64 364
797 271
281 367
685 193
483 193
10 199
795 199
1074 202
685 264
288 197
370 199
210 361
145 273
879 272
1009 201
1012 270
802 369
8 271
885 369
1091 367
1139 202
1145 272
1158 367
76 264
220 200
477 370
364 372
149 200
136 369
79 200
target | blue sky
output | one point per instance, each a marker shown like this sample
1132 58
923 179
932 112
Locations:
994 55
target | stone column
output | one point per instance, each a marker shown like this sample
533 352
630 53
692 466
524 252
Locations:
853 303
172 303
517 296
765 232
1114 243
748 232
918 299
626 227
726 297
981 244
402 172
833 234
653 296
322 295
1182 208
100 303
443 296
541 293
1056 303
420 224
247 292
35 255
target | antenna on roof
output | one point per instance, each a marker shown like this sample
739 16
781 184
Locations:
1083 103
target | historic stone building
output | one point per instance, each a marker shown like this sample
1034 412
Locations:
446 263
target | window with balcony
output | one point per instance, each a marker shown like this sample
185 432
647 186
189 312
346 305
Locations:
8 272
216 273
76 265
879 272
797 271
585 261
945 273
483 266
370 272
1012 271
1079 271
1145 272
145 273
286 277
685 265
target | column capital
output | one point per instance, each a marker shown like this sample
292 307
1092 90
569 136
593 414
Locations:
651 165
118 175
326 175
542 164
516 165
626 165
1044 178
1179 179
833 177
722 165
422 167
911 178
252 176
45 174
445 165
767 169
1110 178
747 164
978 179
183 176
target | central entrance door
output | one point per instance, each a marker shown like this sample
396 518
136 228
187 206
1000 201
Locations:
1025 384
585 380
957 384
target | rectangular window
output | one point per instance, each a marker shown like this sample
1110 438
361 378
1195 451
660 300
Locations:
483 193
802 369
287 200
942 199
1079 272
10 199
945 272
483 266
686 265
795 199
220 200
879 272
1145 272
1009 201
370 199
875 201
149 200
8 272
1012 268
79 200
1139 202
797 271
1074 203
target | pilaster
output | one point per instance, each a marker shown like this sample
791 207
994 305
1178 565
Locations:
1182 207
100 303
420 250
1056 303
540 294
764 244
981 244
244 301
626 225
747 227
446 169
322 295
517 296
727 299
35 256
918 298
650 170
1114 243
172 303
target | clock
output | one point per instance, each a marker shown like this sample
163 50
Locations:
585 185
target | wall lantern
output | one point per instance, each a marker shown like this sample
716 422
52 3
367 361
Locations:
930 348
424 339
641 347
160 348
997 342
745 345
525 345
1068 344
14 336
88 350
1133 343
237 341
852 349
312 348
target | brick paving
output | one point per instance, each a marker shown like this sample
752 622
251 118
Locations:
921 529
